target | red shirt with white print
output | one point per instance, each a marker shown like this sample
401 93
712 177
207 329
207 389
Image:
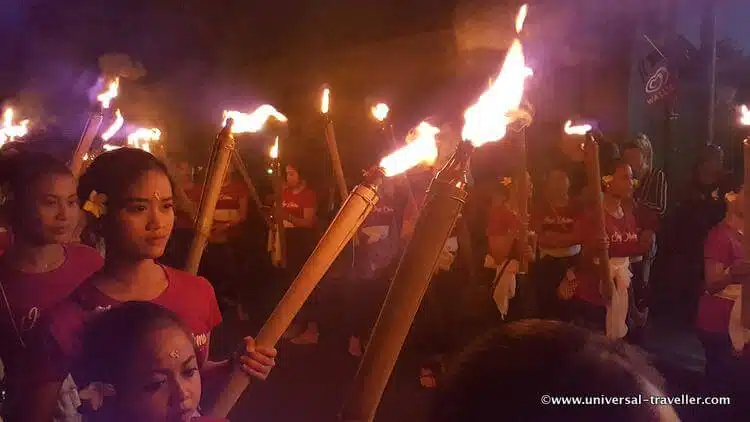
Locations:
191 297
296 201
29 297
623 234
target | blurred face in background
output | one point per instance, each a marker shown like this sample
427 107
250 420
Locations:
50 210
637 161
557 187
293 179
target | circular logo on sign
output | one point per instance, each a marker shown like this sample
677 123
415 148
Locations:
657 81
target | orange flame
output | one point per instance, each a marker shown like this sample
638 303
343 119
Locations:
325 101
114 127
252 122
577 129
274 151
380 111
110 94
422 149
487 120
143 137
10 131
744 115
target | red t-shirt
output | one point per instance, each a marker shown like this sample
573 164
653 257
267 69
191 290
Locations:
501 221
191 297
549 219
295 202
724 245
30 295
623 242
4 239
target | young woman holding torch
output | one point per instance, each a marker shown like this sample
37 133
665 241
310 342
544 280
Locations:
623 239
39 200
129 193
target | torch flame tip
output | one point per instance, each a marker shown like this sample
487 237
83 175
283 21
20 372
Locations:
744 115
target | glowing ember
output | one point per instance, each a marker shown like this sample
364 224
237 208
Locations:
422 149
10 131
115 127
252 122
380 111
521 18
274 151
744 115
110 94
487 120
577 129
325 101
143 137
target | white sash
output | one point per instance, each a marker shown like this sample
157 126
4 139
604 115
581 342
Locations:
617 310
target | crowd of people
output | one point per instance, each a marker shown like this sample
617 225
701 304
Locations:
99 324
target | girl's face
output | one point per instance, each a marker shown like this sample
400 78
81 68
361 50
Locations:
622 182
164 384
52 211
292 177
636 159
144 219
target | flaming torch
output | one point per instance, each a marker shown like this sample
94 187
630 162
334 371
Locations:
142 138
234 122
745 122
485 121
114 127
352 213
338 170
278 251
93 124
9 130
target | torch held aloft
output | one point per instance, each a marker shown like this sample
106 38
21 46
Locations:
350 217
210 196
746 238
445 199
593 173
84 144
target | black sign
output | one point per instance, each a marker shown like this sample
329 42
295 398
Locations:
661 83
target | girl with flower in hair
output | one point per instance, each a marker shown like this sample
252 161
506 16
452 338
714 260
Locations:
624 239
128 195
38 200
143 365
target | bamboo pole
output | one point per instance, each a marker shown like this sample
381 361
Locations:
90 131
278 208
239 164
344 226
445 199
211 191
523 202
746 236
593 172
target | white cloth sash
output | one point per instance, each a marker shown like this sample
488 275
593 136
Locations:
617 310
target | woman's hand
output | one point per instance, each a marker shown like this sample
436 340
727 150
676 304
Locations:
257 361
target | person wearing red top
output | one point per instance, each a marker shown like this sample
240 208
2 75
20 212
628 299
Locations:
143 366
726 269
129 196
40 269
553 219
624 240
504 254
299 207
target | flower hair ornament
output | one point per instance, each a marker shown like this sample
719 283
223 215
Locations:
96 392
607 180
6 194
636 183
506 181
730 196
96 204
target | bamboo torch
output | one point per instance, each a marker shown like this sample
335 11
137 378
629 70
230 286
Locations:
745 121
9 130
234 122
278 205
352 213
104 100
523 180
593 172
338 170
239 164
380 113
486 121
